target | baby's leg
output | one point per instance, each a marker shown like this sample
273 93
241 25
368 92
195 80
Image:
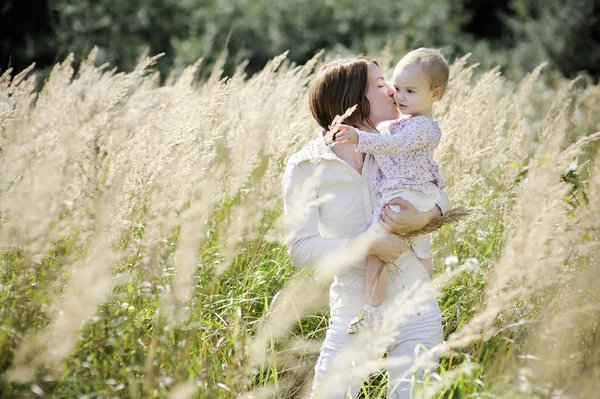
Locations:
377 281
421 245
377 273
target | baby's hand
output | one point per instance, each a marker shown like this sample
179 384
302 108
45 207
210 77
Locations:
347 135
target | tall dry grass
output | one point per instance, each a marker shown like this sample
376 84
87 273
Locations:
140 234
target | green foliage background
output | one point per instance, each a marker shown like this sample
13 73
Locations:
516 34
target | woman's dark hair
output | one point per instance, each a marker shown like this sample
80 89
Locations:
338 86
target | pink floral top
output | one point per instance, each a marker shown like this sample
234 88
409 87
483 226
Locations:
405 156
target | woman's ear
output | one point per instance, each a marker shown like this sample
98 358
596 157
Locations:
438 92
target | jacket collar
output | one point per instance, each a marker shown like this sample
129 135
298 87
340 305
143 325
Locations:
314 151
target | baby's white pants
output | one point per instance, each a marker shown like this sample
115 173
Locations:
421 245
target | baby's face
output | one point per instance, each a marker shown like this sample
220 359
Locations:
414 94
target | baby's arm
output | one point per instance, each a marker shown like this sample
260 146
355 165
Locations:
410 135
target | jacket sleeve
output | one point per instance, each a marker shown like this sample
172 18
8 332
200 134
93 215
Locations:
409 135
301 217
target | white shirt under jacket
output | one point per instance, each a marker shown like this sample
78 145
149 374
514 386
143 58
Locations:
320 217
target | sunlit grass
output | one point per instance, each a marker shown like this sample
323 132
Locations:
141 238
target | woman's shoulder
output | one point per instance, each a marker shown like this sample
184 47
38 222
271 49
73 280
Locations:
384 127
404 120
303 162
314 151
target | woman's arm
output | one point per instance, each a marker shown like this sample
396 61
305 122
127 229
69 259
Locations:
388 248
301 216
410 219
307 249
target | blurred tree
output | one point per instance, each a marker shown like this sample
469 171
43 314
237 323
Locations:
257 30
254 30
564 33
518 34
122 29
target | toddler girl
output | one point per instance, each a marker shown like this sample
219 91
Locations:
406 168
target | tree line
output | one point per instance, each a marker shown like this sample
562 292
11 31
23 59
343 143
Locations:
516 34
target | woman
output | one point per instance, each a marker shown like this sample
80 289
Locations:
329 200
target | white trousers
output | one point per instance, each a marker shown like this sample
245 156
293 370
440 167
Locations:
334 375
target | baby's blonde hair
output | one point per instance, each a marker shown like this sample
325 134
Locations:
433 63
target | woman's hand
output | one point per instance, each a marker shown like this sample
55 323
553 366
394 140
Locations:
388 247
409 219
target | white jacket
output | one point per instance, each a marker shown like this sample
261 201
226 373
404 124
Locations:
326 202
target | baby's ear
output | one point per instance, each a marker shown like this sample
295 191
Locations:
438 92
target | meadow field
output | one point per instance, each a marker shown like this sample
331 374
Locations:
141 241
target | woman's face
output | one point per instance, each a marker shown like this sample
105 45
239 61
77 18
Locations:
380 96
